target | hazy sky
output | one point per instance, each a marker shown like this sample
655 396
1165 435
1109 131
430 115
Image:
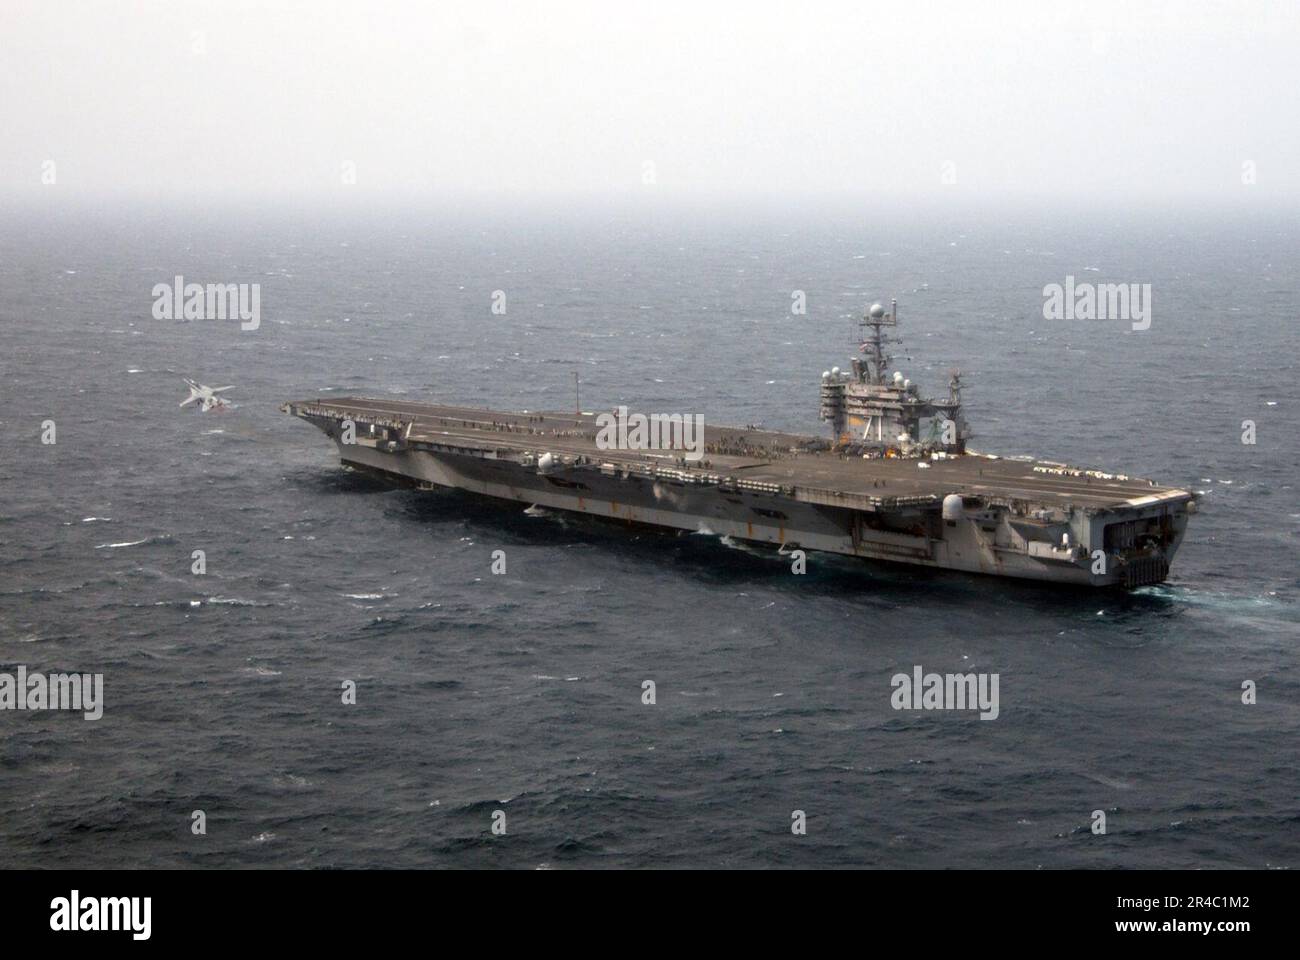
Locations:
1088 99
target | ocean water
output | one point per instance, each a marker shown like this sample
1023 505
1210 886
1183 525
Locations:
522 692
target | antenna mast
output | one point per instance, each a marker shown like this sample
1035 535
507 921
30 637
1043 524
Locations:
874 343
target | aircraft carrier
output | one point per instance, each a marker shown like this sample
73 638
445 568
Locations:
894 480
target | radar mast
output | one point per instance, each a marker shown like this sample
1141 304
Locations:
874 344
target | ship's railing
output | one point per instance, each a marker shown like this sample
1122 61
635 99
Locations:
342 413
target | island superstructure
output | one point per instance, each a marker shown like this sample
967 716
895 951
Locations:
895 481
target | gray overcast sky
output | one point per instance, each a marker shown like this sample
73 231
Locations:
1091 100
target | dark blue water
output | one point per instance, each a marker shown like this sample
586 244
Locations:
522 692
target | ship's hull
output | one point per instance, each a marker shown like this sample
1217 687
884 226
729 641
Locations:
762 517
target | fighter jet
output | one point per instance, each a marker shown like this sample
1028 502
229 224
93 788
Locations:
206 396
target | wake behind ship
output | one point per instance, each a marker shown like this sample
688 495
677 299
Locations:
895 480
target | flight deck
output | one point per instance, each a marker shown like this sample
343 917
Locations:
783 459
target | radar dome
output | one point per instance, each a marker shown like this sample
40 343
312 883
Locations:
835 371
877 311
952 507
826 374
